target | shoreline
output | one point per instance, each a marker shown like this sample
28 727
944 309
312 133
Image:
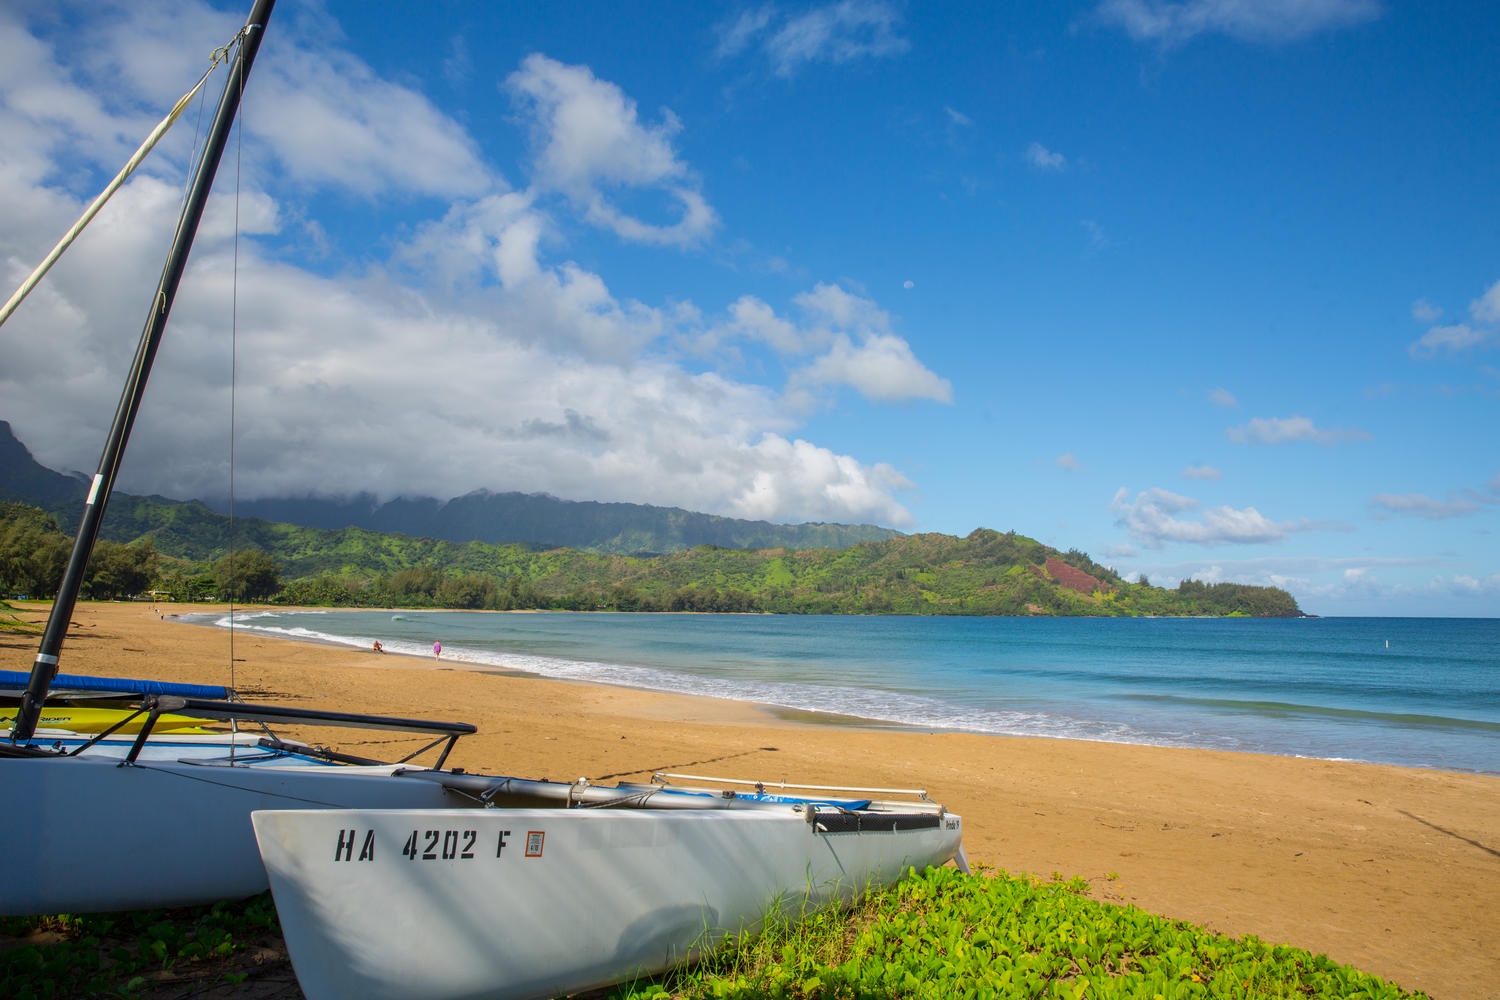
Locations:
935 715
1386 868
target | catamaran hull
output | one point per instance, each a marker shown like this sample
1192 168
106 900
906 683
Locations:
160 833
511 904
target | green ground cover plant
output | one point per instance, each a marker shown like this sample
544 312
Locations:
946 936
141 954
940 935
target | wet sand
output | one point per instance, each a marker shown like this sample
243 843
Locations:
1392 870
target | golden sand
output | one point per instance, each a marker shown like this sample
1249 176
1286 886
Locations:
1393 870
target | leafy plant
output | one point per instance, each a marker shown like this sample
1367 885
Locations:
943 935
127 955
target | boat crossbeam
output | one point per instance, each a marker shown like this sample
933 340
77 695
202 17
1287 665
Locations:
662 777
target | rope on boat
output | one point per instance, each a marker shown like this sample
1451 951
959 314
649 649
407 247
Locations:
219 55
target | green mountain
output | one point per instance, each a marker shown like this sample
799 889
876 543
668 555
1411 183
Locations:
153 542
546 522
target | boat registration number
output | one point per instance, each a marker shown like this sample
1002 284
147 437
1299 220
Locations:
437 845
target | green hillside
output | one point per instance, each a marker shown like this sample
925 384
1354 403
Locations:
182 549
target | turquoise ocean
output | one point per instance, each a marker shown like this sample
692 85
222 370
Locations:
1421 692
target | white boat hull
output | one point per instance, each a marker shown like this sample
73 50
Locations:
511 904
97 835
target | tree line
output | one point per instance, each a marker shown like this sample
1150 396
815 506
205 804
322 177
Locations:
985 573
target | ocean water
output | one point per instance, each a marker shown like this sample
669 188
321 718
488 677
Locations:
1420 692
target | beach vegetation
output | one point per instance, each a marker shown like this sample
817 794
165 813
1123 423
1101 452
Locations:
984 573
143 954
938 934
943 935
249 574
33 551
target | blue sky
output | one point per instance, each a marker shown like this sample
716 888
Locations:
1206 288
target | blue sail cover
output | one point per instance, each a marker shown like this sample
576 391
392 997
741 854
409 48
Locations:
13 683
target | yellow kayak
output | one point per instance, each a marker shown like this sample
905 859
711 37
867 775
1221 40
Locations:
94 720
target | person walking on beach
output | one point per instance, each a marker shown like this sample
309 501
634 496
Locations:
437 650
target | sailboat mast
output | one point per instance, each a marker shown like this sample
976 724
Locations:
44 669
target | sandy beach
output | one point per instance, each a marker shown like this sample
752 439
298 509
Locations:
1392 870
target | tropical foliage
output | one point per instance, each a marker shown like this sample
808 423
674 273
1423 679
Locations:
985 573
944 935
938 935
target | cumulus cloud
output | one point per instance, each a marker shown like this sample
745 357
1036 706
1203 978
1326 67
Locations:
1288 430
1171 23
475 355
751 318
1201 472
834 33
1223 397
337 124
838 339
880 367
590 141
1156 517
862 351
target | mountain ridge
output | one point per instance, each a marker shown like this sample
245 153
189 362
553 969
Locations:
536 520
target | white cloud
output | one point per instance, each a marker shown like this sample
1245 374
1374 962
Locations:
1246 20
849 338
1154 519
881 368
590 140
835 33
750 317
337 124
1425 312
1287 430
1420 505
958 118
1042 158
1457 338
1486 308
448 402
1448 339
862 352
741 33
1488 586
474 356
1223 397
1201 472
1067 461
